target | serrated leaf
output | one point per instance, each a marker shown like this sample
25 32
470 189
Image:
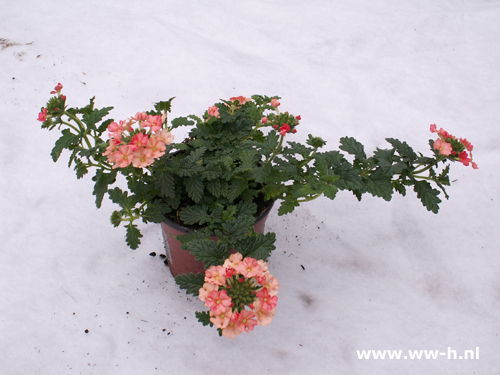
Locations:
214 187
191 283
403 149
164 182
379 186
315 142
65 141
194 188
238 227
120 198
204 318
258 247
427 195
195 215
181 121
247 208
133 236
236 187
102 181
287 206
92 118
353 147
155 213
116 218
164 106
210 252
330 191
80 168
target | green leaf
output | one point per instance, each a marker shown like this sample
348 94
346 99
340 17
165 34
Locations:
427 195
195 215
80 168
258 247
379 186
236 187
133 236
204 318
102 181
191 283
287 206
181 121
403 149
67 140
155 213
315 142
330 191
92 118
214 187
116 218
210 252
164 181
121 198
194 188
164 106
353 147
239 227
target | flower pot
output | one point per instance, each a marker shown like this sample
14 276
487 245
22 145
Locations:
181 261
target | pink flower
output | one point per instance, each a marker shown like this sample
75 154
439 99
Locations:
267 302
57 89
264 120
140 116
206 290
140 160
139 140
275 102
285 128
165 136
123 157
298 117
270 283
231 330
443 147
155 147
113 146
245 321
464 158
433 128
466 144
249 267
218 302
474 165
264 317
241 99
42 116
222 319
216 275
233 261
213 111
154 122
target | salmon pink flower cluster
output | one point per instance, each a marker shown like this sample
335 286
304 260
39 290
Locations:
139 147
452 147
237 284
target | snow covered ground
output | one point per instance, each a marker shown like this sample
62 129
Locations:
354 276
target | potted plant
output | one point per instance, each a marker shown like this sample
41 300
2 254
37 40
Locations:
212 190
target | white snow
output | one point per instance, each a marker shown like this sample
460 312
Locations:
354 276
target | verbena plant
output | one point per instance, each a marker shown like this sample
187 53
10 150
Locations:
237 158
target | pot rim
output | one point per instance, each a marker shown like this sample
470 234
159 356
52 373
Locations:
186 230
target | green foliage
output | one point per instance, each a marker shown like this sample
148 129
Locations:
191 283
232 163
204 318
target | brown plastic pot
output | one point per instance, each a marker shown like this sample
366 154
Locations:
181 261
